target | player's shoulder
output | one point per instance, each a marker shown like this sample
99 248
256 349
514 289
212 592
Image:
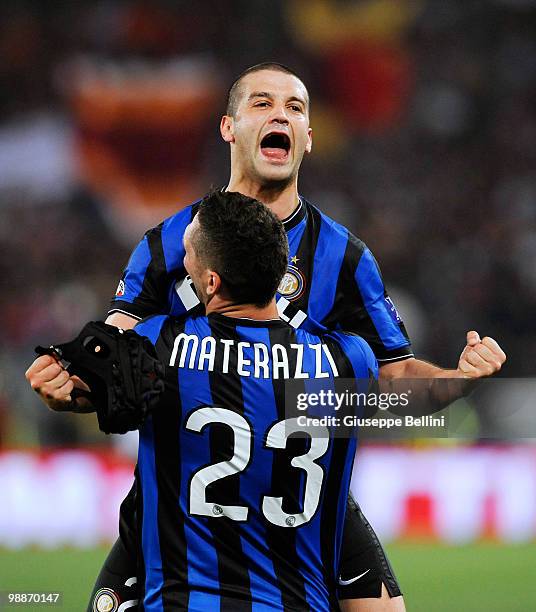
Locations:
176 222
303 336
348 339
167 328
355 245
151 326
356 348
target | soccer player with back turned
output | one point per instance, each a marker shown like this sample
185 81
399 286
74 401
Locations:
235 512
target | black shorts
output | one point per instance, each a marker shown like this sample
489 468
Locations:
364 566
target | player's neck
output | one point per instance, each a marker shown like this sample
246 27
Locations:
242 311
282 200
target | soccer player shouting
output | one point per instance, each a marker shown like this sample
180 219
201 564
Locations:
332 282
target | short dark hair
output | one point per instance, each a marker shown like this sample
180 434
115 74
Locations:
233 94
245 243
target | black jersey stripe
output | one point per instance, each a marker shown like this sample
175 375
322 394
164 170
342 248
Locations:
305 254
167 425
226 391
136 516
285 480
296 216
152 282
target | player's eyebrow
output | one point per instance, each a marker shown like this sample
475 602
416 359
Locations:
266 94
260 94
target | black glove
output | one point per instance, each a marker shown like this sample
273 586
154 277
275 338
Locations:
120 367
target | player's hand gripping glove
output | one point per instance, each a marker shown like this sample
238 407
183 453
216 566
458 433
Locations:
122 370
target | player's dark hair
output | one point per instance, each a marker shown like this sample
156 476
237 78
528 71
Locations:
234 92
245 243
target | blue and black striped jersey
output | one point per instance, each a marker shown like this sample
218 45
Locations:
234 512
332 281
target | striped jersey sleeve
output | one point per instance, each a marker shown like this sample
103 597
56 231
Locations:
361 303
156 263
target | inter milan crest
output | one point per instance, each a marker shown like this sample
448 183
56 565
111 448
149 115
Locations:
292 285
105 600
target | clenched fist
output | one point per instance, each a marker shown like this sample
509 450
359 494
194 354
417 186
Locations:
53 383
480 358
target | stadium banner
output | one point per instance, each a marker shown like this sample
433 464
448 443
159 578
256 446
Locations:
448 493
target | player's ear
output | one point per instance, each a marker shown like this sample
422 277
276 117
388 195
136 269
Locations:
213 283
227 128
309 145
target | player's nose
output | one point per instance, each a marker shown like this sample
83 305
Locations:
279 115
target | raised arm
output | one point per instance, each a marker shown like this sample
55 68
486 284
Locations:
479 359
367 310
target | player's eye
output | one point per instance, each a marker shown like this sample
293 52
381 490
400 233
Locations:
296 108
261 104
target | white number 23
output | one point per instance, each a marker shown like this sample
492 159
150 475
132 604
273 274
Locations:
277 436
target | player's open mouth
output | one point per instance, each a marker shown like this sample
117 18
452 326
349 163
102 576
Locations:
276 146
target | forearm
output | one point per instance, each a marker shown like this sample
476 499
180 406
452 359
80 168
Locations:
415 368
436 387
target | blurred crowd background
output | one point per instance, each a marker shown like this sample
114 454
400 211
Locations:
424 121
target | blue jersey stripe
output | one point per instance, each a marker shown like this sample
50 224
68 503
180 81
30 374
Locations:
149 536
372 290
260 409
135 271
363 361
151 327
328 259
262 607
172 234
203 602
